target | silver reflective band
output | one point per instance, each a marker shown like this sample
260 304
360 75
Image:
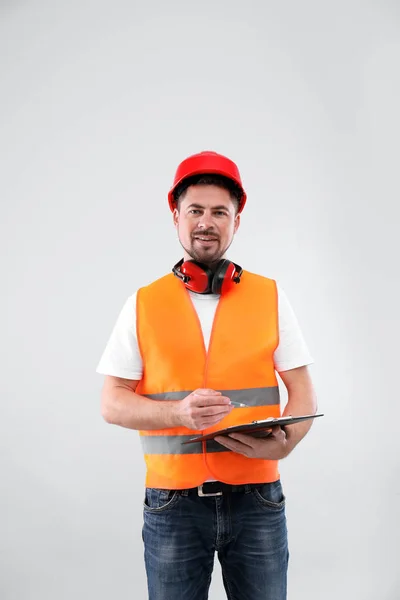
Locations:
169 444
264 396
172 444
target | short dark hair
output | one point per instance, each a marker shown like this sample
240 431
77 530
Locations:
209 179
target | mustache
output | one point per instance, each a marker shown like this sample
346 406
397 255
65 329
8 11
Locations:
205 233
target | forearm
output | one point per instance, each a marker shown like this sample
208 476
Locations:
301 401
123 407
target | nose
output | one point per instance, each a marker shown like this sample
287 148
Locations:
205 221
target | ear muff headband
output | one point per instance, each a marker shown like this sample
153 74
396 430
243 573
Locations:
199 278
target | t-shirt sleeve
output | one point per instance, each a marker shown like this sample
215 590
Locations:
121 356
292 351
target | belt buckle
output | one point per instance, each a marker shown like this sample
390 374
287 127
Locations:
203 494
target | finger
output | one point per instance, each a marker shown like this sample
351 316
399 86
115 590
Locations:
206 392
233 445
247 440
208 423
224 440
201 400
211 419
212 409
278 433
215 417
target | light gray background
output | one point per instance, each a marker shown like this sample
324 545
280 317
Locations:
99 103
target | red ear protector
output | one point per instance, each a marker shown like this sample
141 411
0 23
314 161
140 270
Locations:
199 278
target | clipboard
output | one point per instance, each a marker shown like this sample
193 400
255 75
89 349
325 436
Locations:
255 428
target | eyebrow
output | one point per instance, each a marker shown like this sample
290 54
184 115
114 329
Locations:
195 205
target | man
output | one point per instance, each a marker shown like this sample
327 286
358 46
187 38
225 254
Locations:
194 352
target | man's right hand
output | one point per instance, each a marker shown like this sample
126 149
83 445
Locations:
202 408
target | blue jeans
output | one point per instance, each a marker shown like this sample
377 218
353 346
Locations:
247 529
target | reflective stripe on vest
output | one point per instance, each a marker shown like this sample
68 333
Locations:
251 397
172 444
239 363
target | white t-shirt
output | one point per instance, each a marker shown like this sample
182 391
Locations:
121 357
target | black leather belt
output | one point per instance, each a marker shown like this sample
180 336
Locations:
217 488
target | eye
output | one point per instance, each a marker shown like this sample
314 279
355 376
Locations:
194 211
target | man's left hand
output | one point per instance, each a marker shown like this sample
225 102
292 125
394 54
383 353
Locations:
274 447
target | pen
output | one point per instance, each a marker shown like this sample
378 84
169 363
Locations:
238 404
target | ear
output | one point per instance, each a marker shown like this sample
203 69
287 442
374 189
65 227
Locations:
237 223
175 216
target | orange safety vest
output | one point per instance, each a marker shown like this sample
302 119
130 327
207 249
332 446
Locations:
239 363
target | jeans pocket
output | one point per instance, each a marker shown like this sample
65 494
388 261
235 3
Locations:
158 500
270 496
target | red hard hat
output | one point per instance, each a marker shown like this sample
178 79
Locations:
204 163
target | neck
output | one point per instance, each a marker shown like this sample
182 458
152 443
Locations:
210 264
